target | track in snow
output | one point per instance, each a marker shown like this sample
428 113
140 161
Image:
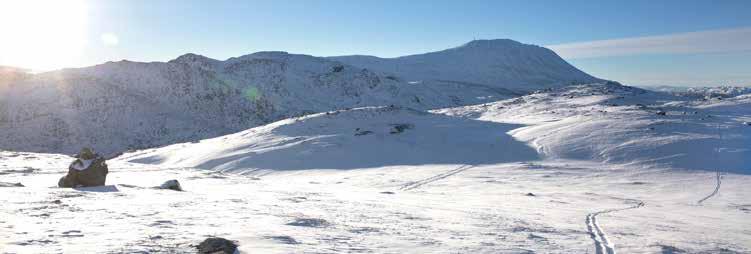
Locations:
602 243
716 189
719 174
418 184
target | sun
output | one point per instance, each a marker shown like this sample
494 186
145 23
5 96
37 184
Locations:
42 34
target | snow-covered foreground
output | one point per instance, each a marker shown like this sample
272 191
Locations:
584 169
395 209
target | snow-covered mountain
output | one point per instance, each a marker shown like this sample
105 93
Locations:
129 105
496 63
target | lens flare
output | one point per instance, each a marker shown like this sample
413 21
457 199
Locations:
252 93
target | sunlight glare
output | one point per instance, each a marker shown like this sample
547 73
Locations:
42 34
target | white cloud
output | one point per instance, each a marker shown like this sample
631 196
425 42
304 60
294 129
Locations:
712 41
110 39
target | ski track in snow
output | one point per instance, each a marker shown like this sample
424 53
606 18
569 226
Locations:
418 184
602 243
716 189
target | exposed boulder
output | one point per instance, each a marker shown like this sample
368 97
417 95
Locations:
216 245
399 128
359 132
171 185
309 222
88 170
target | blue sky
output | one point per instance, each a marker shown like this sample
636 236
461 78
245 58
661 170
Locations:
160 30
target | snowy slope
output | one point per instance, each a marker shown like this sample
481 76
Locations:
618 124
129 105
495 63
348 139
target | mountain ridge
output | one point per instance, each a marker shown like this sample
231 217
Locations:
124 105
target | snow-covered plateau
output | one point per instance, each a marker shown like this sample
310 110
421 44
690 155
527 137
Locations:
588 168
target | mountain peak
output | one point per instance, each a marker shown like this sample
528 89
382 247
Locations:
491 43
263 54
191 58
498 63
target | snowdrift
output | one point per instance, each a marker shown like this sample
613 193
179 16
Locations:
349 139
